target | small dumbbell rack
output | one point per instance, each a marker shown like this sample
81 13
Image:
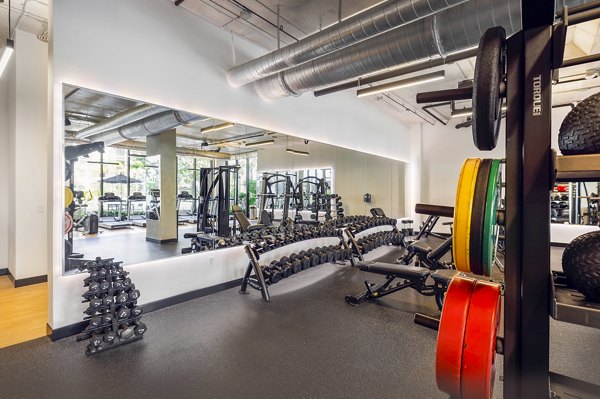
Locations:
113 314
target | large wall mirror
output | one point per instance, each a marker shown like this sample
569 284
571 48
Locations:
141 179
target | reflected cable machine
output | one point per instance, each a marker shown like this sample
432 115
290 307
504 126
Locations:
214 200
268 196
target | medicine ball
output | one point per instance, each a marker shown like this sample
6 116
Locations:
581 264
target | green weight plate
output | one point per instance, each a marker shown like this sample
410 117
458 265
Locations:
477 216
490 227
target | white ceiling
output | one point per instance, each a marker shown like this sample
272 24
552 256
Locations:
30 15
302 17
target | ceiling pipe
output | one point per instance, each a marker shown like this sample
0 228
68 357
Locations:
453 30
397 72
120 119
151 125
371 22
137 146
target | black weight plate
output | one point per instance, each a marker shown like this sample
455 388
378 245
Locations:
478 216
489 70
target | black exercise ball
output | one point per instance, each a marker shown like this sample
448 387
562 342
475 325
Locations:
581 264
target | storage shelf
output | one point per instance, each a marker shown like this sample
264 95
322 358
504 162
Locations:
573 168
567 387
570 305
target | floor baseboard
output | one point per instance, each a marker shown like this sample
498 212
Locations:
76 328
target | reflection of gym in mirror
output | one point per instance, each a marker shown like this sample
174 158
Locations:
575 203
145 182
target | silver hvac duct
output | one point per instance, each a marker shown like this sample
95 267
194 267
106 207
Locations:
123 118
451 31
381 18
145 127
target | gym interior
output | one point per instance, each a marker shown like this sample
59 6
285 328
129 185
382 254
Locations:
290 199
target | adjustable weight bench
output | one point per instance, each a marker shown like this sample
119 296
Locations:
243 221
434 213
412 276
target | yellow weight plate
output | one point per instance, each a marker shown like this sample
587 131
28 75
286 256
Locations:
462 214
68 197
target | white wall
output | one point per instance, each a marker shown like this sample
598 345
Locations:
354 174
153 51
27 145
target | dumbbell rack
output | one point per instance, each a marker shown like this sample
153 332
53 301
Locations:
254 275
107 329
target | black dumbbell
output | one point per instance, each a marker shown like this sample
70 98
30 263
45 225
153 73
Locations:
96 340
110 337
91 349
337 255
95 304
134 294
140 329
123 313
297 266
322 256
306 262
314 260
271 275
126 282
136 311
122 298
107 300
104 285
286 269
117 284
107 318
95 321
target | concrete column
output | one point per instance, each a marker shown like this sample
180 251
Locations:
165 229
27 159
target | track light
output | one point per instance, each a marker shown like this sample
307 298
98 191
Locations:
259 143
417 80
6 54
217 127
297 152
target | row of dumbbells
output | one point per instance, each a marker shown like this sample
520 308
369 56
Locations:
371 222
112 311
270 242
295 263
376 240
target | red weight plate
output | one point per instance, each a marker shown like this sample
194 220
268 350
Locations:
451 334
479 350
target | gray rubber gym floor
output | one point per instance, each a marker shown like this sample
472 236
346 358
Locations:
306 343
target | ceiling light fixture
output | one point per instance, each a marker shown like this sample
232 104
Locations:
10 46
259 143
217 127
417 80
297 152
